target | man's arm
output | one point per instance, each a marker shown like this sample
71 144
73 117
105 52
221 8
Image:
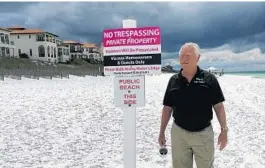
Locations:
220 113
217 102
166 110
166 114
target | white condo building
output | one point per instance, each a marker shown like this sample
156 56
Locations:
63 51
41 45
7 47
36 43
92 51
76 49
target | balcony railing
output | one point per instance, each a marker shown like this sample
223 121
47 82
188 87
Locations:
46 38
40 39
62 45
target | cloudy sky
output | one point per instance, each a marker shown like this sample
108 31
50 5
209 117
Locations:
231 35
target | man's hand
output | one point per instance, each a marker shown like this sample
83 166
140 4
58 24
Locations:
221 116
166 114
162 139
222 140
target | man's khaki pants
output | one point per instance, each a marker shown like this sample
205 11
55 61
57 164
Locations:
186 144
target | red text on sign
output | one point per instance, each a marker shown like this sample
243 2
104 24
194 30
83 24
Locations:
129 87
130 102
129 84
129 81
129 99
129 96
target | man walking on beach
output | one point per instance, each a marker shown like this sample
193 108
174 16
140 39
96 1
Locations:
191 94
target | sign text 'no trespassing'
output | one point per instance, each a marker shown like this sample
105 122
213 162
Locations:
132 47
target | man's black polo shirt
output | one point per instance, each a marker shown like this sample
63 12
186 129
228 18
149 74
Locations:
192 102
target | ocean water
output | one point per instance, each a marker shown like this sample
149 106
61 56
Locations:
256 74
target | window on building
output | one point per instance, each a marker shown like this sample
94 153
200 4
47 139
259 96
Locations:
18 37
7 52
6 39
41 51
52 51
19 51
48 50
40 37
3 51
2 36
90 50
29 36
72 48
30 52
59 52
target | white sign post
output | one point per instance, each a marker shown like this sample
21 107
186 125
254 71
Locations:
129 121
129 54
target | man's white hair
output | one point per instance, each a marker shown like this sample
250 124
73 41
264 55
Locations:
194 45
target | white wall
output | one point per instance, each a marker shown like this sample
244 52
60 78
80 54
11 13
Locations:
25 42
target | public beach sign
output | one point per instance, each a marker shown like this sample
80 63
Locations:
129 91
132 51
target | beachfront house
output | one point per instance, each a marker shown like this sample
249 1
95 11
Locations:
93 52
63 51
76 48
37 44
7 47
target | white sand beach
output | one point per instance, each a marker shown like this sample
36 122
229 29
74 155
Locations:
63 123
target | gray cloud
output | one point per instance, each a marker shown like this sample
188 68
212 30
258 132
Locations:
239 26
